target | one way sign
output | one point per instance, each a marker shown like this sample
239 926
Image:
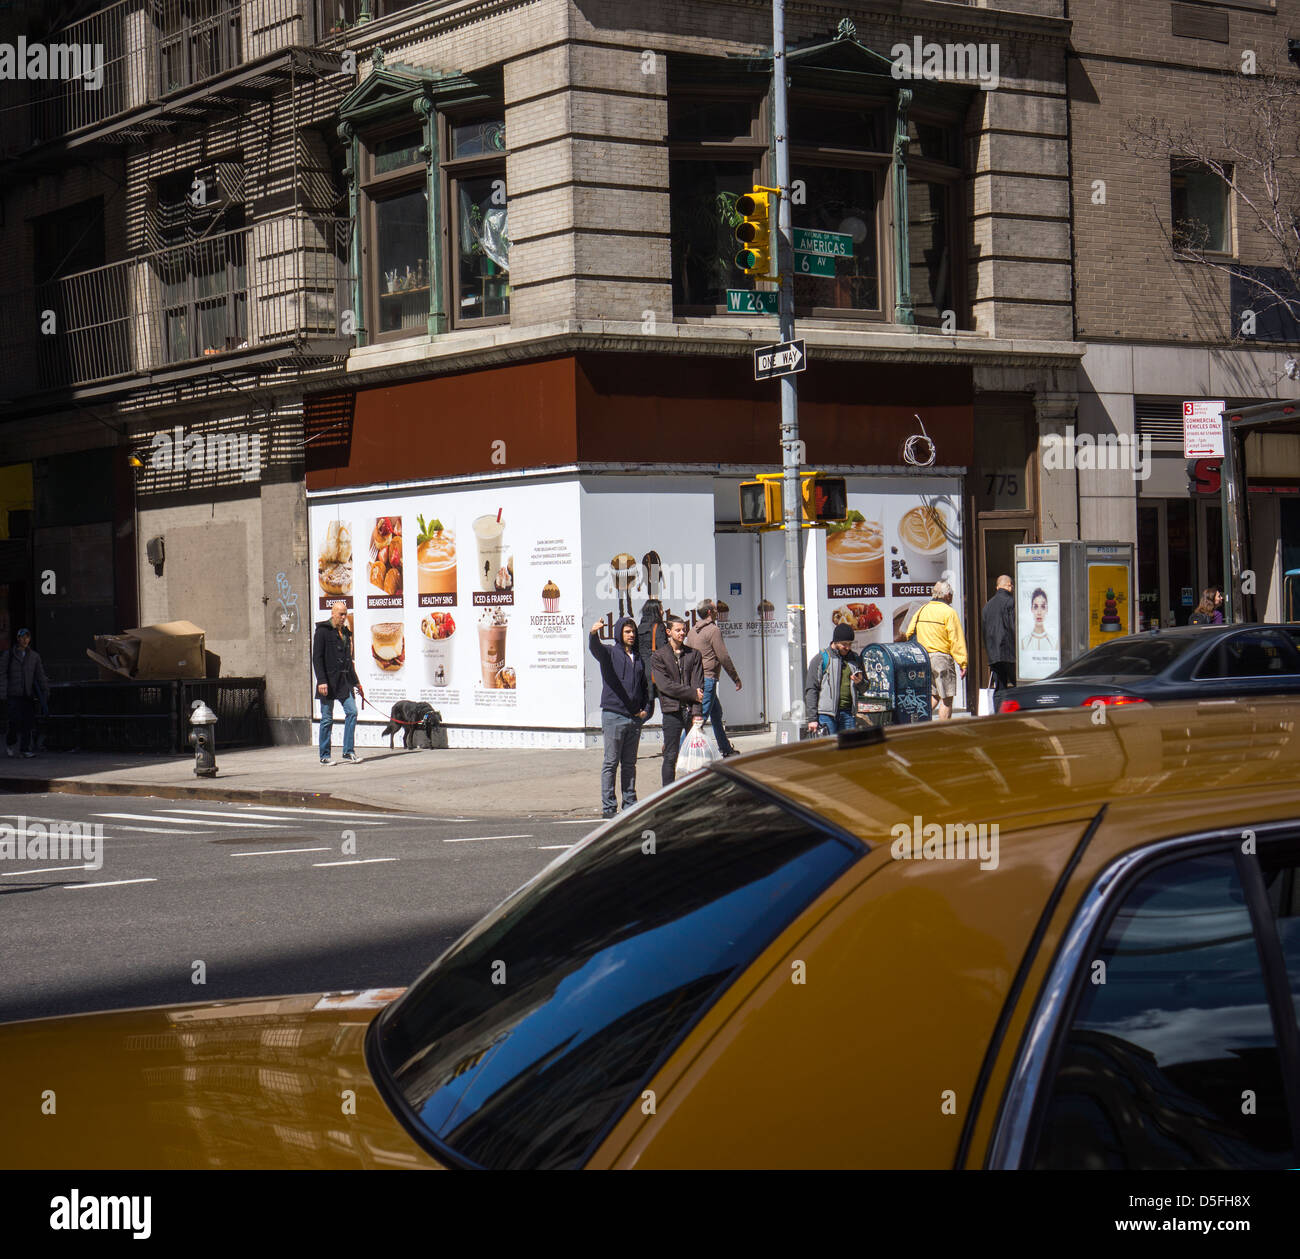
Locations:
779 360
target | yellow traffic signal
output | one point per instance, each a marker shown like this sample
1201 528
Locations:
760 502
824 497
758 257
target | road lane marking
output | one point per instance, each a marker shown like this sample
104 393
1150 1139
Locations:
263 817
186 821
378 817
549 847
582 821
470 839
148 830
15 874
114 883
361 861
275 852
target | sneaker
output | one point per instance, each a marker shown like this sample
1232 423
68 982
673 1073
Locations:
29 754
10 750
609 815
351 758
325 760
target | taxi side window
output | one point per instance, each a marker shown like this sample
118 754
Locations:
1171 1059
1253 654
1280 865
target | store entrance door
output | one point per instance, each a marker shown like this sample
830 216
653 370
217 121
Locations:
738 561
995 555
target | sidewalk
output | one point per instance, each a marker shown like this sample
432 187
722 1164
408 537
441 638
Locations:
452 782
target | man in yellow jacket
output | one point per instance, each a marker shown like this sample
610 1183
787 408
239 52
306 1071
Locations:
938 629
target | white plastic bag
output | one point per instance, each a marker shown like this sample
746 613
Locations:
985 705
698 749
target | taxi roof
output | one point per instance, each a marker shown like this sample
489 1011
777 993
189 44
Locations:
1191 760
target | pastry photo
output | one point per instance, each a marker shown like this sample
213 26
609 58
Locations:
334 566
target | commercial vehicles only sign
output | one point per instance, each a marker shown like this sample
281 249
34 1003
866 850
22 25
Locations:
1202 430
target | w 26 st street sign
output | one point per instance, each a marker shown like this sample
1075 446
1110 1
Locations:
779 360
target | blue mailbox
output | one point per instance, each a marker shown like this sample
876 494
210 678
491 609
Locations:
895 686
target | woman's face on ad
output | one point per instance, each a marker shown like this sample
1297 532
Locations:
1039 607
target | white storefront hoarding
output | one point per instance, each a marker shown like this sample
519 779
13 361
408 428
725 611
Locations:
470 599
626 522
876 570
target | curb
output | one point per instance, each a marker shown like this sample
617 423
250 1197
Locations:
246 795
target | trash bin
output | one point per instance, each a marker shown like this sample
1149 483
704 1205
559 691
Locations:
895 686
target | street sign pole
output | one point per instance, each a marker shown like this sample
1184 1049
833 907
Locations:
791 501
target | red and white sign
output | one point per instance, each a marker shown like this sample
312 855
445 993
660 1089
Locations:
1202 430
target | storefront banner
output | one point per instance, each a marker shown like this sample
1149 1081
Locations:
877 568
467 599
1038 613
643 538
743 616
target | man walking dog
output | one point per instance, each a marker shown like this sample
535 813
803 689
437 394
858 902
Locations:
336 680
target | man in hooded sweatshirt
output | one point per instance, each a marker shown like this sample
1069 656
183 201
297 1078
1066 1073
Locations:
624 705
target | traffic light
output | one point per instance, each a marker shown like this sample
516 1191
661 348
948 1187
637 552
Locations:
760 502
758 257
824 498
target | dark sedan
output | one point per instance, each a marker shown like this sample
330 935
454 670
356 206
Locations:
1190 662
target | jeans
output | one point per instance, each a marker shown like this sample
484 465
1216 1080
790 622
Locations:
622 737
675 727
843 720
713 713
327 724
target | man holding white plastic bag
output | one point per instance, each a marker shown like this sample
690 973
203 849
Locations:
678 674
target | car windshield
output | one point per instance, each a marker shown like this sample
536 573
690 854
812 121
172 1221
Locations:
1130 657
533 1035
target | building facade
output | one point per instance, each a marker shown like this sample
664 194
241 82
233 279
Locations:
472 260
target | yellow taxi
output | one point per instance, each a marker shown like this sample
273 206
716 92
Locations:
1033 941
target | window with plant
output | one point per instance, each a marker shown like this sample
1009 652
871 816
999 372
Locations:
477 201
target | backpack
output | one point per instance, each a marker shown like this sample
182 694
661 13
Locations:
1200 618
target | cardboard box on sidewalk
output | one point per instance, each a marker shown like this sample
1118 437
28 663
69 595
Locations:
175 649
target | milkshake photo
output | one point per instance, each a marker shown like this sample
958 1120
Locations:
855 556
492 628
489 535
435 554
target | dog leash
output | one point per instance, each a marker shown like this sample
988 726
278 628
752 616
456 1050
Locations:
367 704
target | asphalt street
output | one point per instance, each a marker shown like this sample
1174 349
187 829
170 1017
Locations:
270 900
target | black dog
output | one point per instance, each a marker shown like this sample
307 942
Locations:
408 717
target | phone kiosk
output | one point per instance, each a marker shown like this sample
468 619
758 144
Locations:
1070 597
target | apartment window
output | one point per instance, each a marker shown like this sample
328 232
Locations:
478 209
200 267
197 39
69 240
715 155
841 151
395 232
1201 207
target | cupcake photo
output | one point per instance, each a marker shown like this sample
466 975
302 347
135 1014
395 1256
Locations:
724 611
551 596
766 610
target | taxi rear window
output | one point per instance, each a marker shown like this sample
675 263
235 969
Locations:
529 1039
